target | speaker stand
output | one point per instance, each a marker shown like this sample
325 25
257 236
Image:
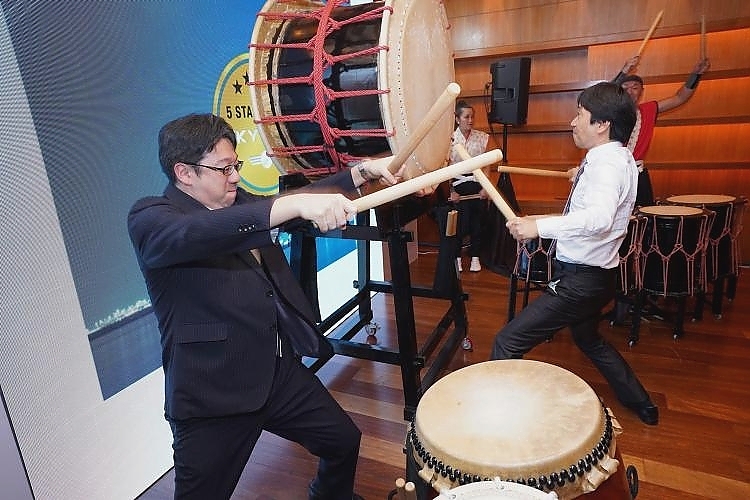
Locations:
504 161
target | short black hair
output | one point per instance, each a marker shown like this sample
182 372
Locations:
608 102
630 78
187 139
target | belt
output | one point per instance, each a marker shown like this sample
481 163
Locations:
577 268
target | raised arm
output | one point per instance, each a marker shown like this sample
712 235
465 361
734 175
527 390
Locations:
630 65
685 92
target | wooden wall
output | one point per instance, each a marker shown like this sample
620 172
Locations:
703 147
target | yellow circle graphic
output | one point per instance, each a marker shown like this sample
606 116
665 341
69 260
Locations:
259 175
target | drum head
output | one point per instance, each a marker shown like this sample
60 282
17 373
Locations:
700 200
670 211
514 420
489 490
417 69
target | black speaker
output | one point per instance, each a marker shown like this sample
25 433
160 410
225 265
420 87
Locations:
510 91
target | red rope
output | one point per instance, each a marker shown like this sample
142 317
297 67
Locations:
323 95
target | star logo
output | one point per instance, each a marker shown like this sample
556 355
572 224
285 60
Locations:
259 175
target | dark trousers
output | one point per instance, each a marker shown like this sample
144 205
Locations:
645 191
576 301
211 453
470 214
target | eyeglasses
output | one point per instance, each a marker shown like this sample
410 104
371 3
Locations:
227 171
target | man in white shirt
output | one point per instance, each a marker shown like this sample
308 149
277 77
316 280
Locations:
587 239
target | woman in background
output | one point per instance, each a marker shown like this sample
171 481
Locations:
465 189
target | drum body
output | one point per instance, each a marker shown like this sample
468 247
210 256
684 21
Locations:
331 84
673 252
533 260
519 421
722 255
629 276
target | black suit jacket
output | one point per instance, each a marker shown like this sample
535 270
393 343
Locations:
216 306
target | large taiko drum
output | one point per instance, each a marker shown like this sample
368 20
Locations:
520 421
673 252
333 83
722 255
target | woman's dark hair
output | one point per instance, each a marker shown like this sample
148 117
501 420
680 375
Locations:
608 102
460 106
189 138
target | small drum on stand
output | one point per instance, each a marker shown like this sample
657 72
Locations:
533 268
533 261
519 421
722 255
332 83
673 253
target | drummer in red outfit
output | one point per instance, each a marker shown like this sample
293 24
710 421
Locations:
648 112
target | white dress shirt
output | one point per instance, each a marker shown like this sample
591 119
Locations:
600 207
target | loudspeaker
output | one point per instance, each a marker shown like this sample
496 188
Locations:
510 91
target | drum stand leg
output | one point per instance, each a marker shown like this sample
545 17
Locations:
700 300
680 317
731 287
356 314
512 296
635 327
717 296
526 287
617 315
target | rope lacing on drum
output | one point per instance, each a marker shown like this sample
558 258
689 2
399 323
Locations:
679 248
544 483
734 233
323 94
630 250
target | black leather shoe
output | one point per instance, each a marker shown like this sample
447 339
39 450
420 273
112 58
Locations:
647 411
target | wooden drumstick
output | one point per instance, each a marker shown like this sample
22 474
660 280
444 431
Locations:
486 183
531 171
650 32
703 38
400 489
446 100
429 179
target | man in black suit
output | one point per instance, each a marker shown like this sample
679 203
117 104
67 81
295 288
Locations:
233 320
